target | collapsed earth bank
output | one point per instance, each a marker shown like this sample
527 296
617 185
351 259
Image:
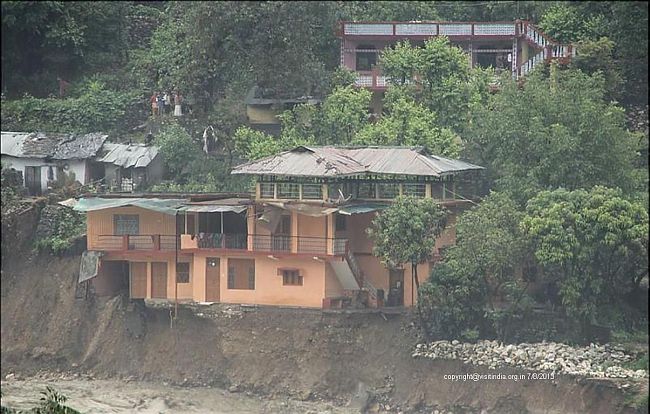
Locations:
362 359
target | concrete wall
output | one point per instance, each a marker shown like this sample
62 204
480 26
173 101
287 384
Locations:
78 167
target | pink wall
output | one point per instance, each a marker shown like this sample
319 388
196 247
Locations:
268 283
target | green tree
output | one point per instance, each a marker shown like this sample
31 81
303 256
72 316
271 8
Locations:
451 302
598 56
252 144
177 148
441 78
409 123
551 133
481 271
593 242
343 114
406 232
625 23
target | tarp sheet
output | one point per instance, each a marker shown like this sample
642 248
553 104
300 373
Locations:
167 206
361 208
306 209
270 218
213 209
89 265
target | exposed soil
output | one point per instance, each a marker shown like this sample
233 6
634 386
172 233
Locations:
361 361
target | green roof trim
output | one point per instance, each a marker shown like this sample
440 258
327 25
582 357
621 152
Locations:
167 206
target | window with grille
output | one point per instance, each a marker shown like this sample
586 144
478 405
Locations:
241 274
437 190
267 190
366 57
367 190
388 190
414 189
288 190
336 190
126 224
183 272
291 277
312 191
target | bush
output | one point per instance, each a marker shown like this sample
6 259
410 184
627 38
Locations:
452 304
58 228
95 109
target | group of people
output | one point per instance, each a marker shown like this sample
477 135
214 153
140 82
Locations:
163 102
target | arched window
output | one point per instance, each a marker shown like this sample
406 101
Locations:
366 57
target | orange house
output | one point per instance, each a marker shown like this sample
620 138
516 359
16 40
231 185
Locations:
300 240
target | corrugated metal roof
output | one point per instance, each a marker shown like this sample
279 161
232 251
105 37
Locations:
167 206
212 208
128 155
51 145
341 161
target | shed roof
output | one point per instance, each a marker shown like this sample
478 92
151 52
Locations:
332 161
128 155
51 145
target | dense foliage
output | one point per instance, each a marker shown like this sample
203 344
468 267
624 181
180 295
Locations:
594 244
554 132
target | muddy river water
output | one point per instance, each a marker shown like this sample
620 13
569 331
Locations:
112 396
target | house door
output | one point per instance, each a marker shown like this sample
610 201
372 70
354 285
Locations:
396 287
138 280
212 266
159 280
33 180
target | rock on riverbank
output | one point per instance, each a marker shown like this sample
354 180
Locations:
600 361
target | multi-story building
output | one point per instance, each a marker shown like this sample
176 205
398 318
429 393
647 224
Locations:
516 47
300 240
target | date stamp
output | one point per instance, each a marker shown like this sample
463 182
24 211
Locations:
475 376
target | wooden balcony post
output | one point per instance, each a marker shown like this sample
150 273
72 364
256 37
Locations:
294 232
250 224
331 233
125 242
156 241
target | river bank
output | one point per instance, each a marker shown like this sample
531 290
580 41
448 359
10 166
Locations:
359 361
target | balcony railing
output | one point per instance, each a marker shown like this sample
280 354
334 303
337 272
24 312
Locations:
258 243
221 241
430 29
136 242
299 244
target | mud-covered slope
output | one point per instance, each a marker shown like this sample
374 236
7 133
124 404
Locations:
305 354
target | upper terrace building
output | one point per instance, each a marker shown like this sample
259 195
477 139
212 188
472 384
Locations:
516 47
299 241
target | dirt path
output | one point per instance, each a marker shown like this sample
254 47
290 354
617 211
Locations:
109 396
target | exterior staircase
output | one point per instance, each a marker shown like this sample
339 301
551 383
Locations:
357 288
365 285
547 49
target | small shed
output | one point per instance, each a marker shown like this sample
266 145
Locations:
129 167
